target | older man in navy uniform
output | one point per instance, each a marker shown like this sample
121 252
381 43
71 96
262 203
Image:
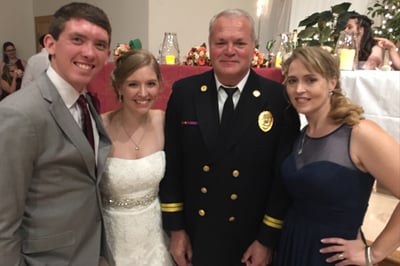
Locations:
227 131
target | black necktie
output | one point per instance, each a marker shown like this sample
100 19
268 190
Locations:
87 121
228 109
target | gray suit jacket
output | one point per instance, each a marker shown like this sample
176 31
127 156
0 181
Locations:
50 208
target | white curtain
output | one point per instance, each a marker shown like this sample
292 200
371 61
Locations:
274 20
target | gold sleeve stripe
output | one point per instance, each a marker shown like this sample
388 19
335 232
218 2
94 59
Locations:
171 207
272 222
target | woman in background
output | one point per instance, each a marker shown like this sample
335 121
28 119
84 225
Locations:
10 57
10 80
136 164
331 171
370 55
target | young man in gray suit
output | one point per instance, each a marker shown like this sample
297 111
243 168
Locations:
49 172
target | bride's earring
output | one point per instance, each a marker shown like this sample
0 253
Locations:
120 97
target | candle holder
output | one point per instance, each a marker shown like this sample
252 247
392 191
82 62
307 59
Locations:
170 49
346 50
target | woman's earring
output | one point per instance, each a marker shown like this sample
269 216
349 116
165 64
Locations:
120 97
330 93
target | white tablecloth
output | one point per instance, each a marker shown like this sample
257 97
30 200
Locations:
378 92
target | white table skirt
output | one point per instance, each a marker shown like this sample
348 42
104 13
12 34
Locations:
378 92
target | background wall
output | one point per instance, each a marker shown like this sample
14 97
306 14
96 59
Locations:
148 20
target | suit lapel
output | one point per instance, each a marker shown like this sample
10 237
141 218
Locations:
206 97
104 141
68 125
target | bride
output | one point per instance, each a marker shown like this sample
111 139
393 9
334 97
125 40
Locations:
136 164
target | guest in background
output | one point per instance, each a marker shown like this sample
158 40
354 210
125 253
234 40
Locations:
331 170
370 55
37 64
10 57
10 80
135 165
49 173
393 51
220 197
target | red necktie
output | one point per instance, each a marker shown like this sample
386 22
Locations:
87 121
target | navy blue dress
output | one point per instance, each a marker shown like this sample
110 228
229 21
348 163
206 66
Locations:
329 197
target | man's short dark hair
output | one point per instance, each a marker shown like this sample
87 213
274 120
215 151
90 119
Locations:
77 10
41 39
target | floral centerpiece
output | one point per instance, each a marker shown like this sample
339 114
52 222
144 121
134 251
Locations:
125 47
198 56
258 59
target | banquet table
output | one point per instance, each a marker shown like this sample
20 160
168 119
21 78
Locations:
101 87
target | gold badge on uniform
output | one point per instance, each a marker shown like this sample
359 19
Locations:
256 93
265 121
203 88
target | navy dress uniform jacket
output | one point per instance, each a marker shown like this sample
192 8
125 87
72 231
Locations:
225 189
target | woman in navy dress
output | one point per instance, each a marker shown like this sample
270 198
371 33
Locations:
330 173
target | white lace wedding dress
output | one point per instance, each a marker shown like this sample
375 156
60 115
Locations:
132 212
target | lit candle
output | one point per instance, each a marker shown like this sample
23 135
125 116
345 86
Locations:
347 59
170 59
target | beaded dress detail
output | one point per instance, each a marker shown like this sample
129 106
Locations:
132 213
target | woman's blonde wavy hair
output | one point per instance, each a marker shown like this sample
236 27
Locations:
316 59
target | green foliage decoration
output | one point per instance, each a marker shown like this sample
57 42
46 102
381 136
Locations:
389 10
323 28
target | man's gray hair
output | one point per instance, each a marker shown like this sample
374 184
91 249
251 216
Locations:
233 12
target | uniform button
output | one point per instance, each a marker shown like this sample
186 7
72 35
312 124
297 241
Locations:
232 219
235 173
203 190
202 212
206 168
234 196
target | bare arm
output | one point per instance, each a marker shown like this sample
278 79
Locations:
393 51
374 151
9 88
379 154
375 58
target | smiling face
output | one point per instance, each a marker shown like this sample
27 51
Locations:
231 48
140 90
80 52
309 91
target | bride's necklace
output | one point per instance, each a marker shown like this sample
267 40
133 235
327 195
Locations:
130 136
